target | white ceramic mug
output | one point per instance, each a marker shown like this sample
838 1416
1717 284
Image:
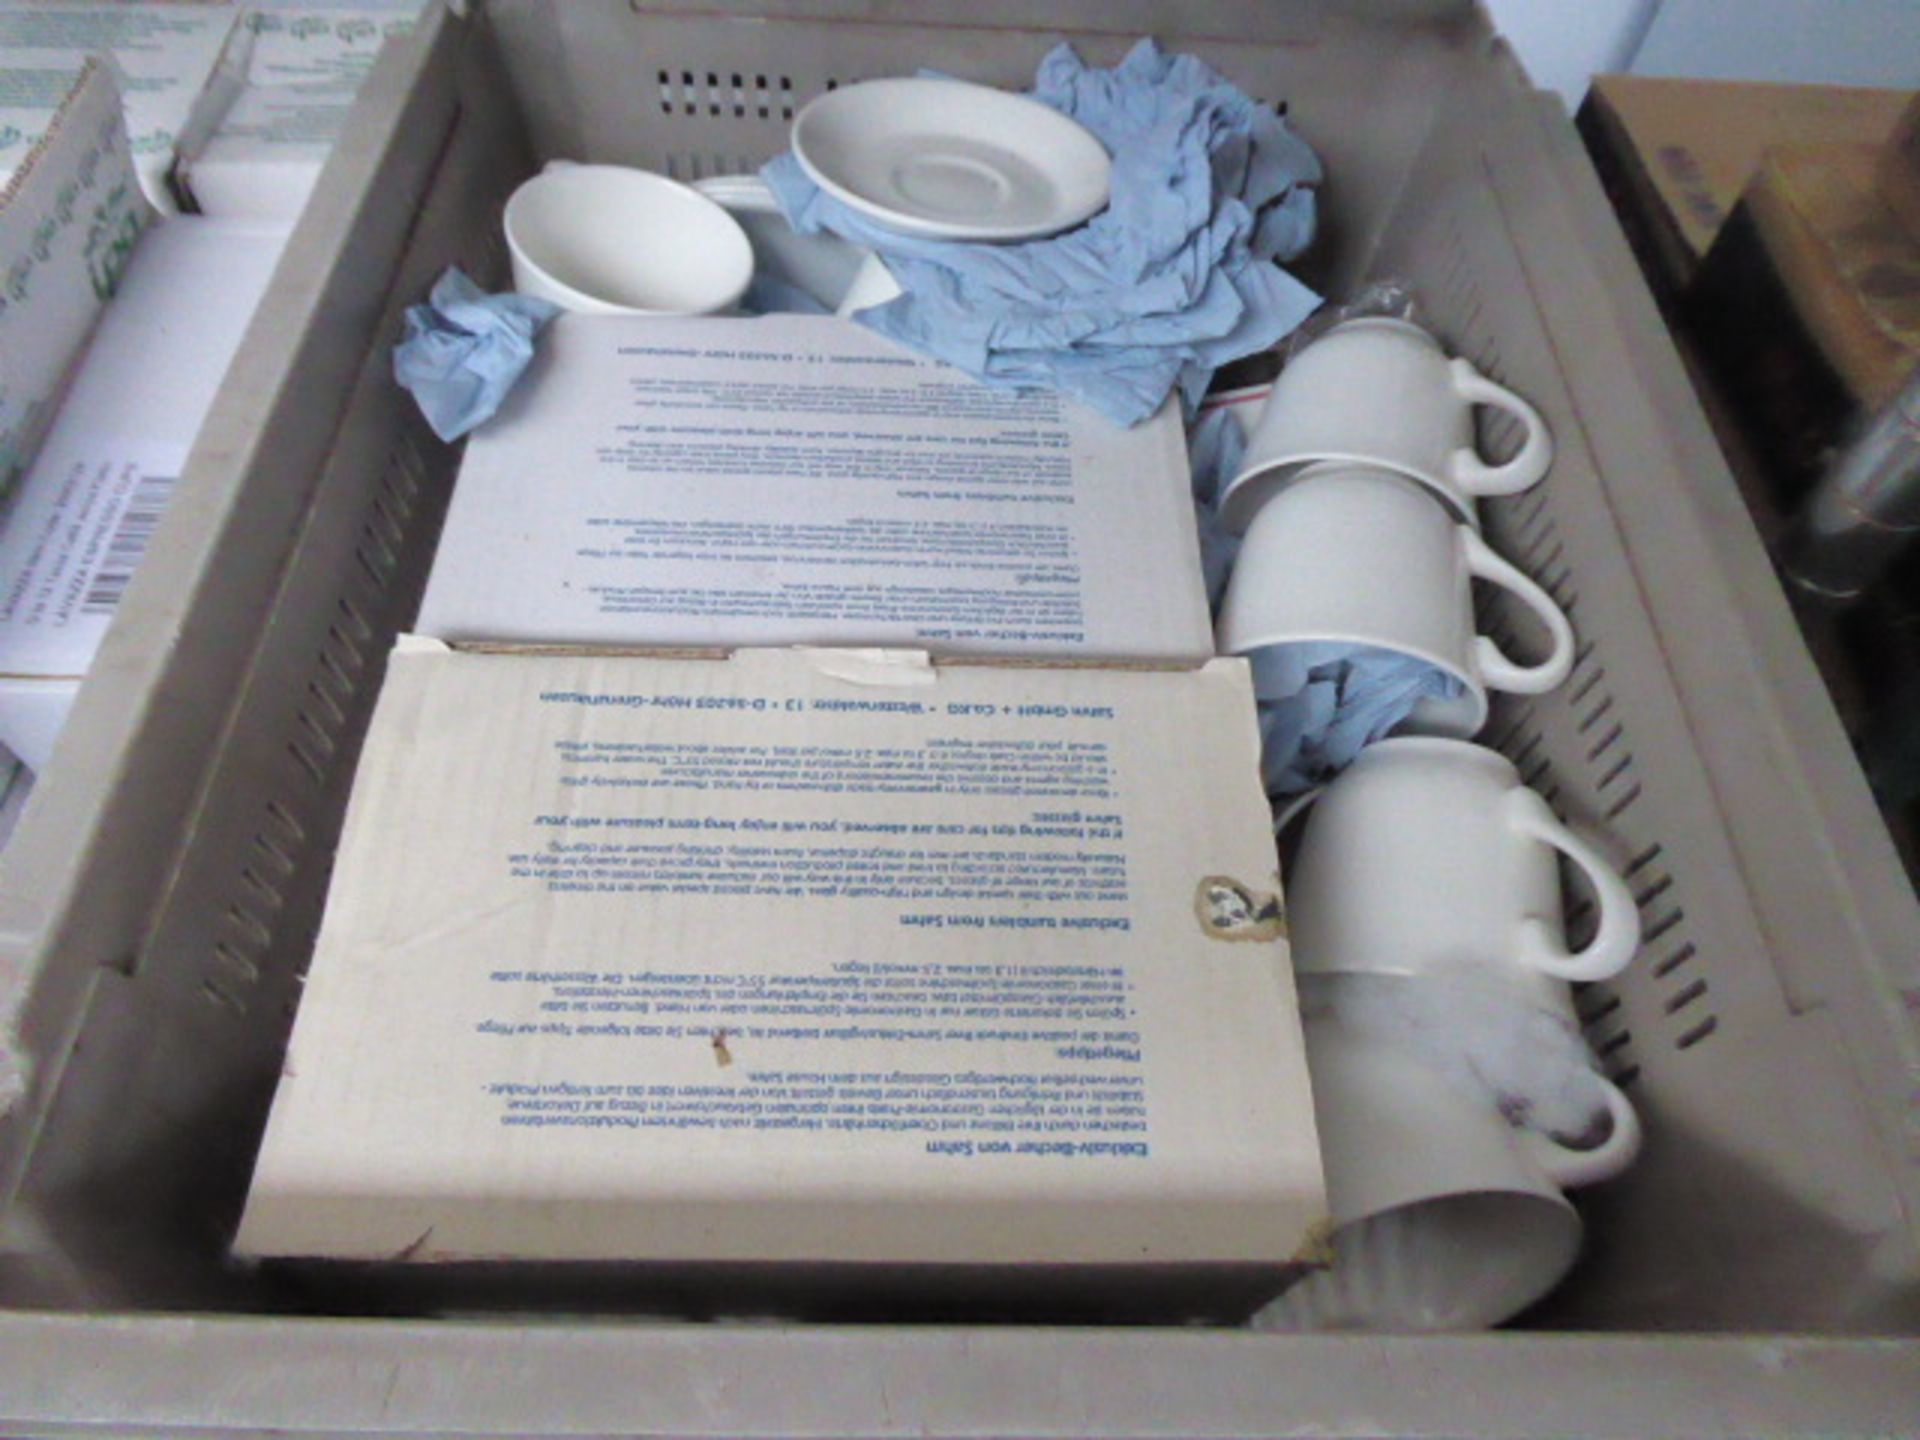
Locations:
1522 1053
1429 855
1382 392
820 265
1447 1217
1360 556
609 240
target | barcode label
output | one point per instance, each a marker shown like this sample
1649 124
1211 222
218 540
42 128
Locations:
137 523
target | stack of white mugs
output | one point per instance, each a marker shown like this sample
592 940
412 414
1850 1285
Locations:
1455 1097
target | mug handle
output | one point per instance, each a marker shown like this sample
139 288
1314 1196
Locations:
1617 936
1570 1168
1525 469
1495 668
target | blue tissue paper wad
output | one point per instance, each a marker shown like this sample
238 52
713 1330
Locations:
464 349
1322 703
1173 279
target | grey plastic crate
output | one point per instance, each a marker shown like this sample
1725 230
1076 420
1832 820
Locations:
1758 1272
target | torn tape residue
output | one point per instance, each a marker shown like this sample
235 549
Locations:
1228 910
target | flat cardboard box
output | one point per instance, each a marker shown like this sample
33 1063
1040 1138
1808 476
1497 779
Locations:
1678 153
69 220
163 52
796 479
802 962
78 524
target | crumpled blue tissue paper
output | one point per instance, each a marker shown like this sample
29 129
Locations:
1172 280
1323 702
464 349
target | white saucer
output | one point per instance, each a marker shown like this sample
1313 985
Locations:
952 161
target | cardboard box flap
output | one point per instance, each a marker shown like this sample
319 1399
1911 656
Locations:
263 127
794 479
162 52
798 957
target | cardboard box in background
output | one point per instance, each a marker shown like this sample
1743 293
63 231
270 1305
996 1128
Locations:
164 52
1677 154
1849 267
795 479
1898 174
69 220
1807 309
81 518
884 977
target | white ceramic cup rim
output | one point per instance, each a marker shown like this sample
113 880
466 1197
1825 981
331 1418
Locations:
1473 692
1386 322
1482 755
1290 470
1246 490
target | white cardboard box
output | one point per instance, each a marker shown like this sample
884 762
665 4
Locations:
68 222
164 54
801 958
78 523
269 116
799 480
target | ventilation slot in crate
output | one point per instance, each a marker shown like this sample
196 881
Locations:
733 93
1603 1020
1600 753
1498 432
1615 1053
689 166
234 966
1455 294
319 733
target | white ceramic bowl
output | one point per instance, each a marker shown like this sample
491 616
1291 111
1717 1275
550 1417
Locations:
608 240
